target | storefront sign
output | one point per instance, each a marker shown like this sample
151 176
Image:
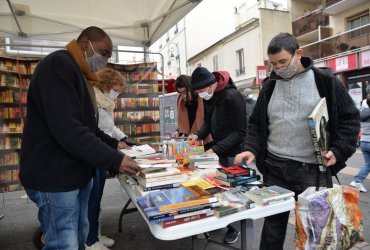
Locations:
365 59
261 74
320 64
343 63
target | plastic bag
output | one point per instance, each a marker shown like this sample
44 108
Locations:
328 219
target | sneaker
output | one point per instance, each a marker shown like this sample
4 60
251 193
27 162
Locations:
96 246
106 241
359 186
231 235
203 236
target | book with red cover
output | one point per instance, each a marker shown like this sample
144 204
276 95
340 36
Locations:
234 171
179 221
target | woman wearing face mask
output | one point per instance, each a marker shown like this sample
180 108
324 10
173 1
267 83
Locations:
190 110
224 118
111 84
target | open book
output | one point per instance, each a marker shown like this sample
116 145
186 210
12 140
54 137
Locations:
318 124
141 150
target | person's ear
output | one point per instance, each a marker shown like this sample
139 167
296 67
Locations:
84 43
299 53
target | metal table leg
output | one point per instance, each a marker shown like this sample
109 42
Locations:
124 211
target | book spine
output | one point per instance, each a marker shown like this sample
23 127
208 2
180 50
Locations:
186 204
178 216
184 220
315 142
244 181
180 211
166 186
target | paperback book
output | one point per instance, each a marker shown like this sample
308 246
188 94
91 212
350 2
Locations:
154 215
139 150
269 195
234 171
318 125
181 197
237 181
179 221
232 201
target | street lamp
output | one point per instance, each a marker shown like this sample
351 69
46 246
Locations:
171 48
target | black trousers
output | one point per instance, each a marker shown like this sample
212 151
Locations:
304 176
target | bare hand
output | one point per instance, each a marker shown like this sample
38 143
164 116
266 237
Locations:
123 145
192 137
129 166
330 159
209 151
246 155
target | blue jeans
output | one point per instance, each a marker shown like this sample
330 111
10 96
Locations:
63 217
364 171
94 206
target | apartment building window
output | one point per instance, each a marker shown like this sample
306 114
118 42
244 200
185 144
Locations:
240 62
357 21
215 62
176 29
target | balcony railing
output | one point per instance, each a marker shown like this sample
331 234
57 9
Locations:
309 23
346 41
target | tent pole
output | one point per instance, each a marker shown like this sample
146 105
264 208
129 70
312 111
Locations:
21 33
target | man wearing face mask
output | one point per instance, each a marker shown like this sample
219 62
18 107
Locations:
278 135
62 144
224 118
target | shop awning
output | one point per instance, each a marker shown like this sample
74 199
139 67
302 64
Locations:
129 22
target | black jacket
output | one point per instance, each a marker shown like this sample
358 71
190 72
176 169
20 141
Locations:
224 118
343 117
62 143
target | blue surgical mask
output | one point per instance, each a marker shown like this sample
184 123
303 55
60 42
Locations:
96 61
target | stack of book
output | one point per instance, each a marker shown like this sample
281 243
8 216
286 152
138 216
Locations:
204 161
154 178
236 175
232 201
269 195
178 205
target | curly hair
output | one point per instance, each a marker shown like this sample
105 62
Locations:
109 78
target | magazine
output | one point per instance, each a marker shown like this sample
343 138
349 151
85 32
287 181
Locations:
318 124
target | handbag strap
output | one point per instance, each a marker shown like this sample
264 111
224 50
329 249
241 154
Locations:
328 176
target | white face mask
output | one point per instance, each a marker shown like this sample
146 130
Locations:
205 95
96 61
112 94
287 72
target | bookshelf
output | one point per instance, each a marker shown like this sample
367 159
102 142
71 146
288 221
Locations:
15 76
137 108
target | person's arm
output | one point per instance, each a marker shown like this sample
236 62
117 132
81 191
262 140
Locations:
62 102
365 114
235 106
343 144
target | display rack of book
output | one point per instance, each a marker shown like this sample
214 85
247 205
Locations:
137 108
15 76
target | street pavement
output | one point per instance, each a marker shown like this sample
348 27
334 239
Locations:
20 221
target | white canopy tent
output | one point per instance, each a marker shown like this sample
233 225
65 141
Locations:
136 23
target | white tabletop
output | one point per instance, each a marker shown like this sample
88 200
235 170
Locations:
207 224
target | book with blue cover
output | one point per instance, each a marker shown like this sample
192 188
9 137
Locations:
154 215
181 197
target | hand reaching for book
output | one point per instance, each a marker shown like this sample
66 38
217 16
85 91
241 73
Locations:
247 155
129 166
123 145
192 137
